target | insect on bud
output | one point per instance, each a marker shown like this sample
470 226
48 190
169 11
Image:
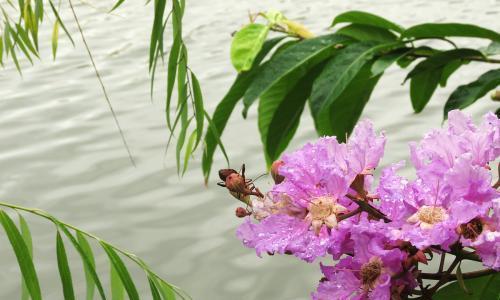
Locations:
235 183
275 171
223 173
241 212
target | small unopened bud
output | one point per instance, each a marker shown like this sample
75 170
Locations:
275 171
241 212
495 95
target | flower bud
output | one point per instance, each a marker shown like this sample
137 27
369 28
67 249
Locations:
275 172
241 212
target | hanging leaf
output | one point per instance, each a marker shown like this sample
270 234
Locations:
23 256
386 60
481 288
198 109
55 38
26 234
422 86
449 69
54 10
362 32
365 18
440 30
466 95
299 58
85 246
246 45
117 289
64 271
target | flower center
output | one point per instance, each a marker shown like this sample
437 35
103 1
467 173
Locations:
472 229
370 272
432 214
324 210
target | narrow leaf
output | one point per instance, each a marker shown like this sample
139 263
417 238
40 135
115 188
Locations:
155 294
122 271
117 288
440 30
466 95
23 256
25 232
117 4
55 38
64 270
199 110
171 74
189 150
460 280
54 10
246 45
85 246
365 18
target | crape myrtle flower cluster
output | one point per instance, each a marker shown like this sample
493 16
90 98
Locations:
324 203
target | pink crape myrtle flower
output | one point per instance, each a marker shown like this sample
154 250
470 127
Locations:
300 215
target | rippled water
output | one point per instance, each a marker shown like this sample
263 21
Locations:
60 150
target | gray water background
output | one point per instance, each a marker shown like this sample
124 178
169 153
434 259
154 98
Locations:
60 150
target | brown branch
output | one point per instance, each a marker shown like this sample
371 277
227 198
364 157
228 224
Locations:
372 211
349 214
451 277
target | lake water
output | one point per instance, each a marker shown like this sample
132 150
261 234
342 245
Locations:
60 150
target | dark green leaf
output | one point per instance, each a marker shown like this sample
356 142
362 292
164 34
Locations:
467 94
246 45
25 232
481 288
362 32
85 246
422 86
345 111
227 104
199 110
365 18
439 60
64 271
117 4
157 30
117 288
171 74
386 60
298 58
440 30
122 271
339 72
23 256
449 69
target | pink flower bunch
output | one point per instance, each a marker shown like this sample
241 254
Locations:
323 204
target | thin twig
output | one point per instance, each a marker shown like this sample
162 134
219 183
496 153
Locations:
98 75
451 277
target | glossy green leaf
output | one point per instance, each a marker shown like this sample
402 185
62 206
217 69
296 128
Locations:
466 95
246 45
226 106
439 60
89 281
422 86
440 30
26 234
23 256
339 72
362 32
122 271
344 112
386 60
117 288
298 58
365 18
64 271
55 38
198 108
481 288
449 69
280 110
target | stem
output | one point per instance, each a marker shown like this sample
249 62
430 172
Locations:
444 277
472 58
441 262
349 214
372 211
451 277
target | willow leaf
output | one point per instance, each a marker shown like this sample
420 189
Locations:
89 281
55 38
20 44
25 232
64 271
26 39
122 271
117 4
23 256
481 288
171 74
189 150
198 108
54 10
157 30
117 288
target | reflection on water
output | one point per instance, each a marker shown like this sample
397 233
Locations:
60 150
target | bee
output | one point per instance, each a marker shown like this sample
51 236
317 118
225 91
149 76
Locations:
238 185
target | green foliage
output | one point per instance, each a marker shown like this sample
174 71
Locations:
246 45
21 242
482 288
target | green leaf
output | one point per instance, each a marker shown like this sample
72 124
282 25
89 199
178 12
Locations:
180 142
449 69
279 112
365 18
460 280
1 50
226 106
246 45
339 72
54 10
440 30
171 74
422 86
87 259
492 49
64 271
20 44
199 110
155 294
26 39
362 32
122 271
345 111
157 30
386 60
55 38
26 234
466 95
117 288
85 246
439 60
23 256
189 149
117 4
299 58
481 288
